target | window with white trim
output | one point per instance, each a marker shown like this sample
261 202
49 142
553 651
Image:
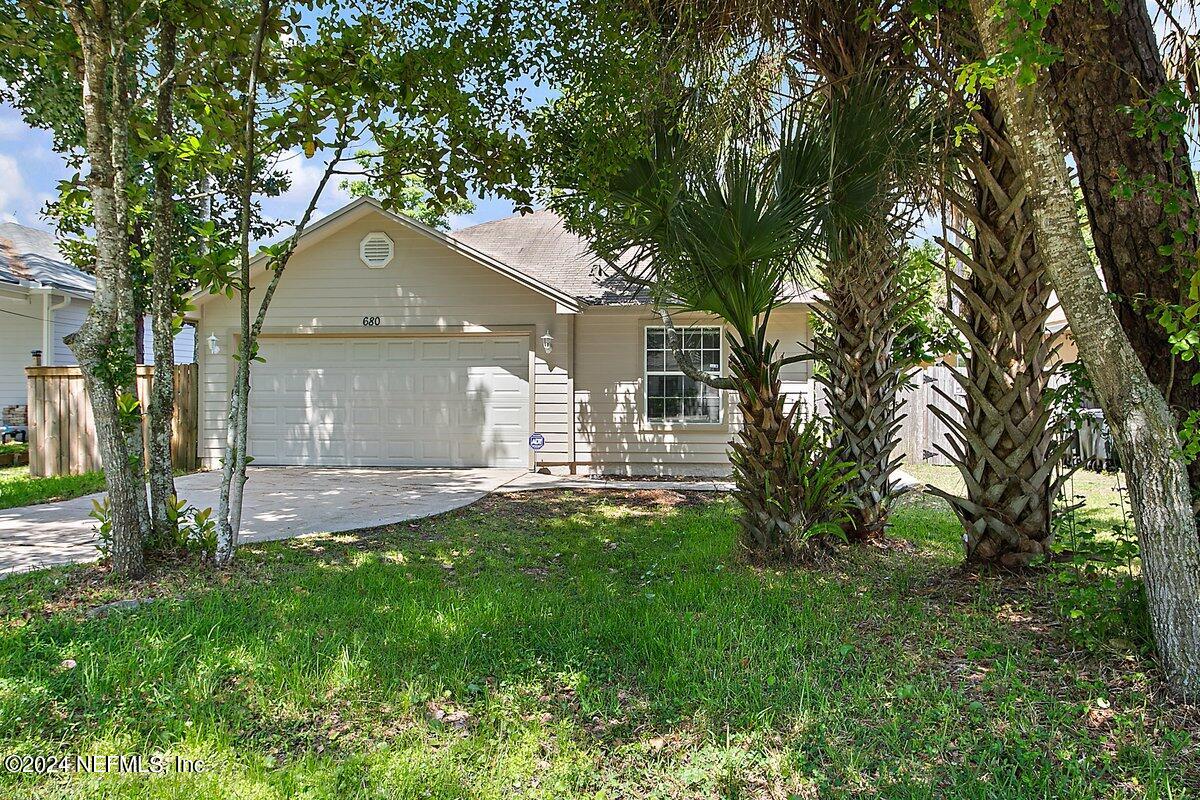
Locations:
672 396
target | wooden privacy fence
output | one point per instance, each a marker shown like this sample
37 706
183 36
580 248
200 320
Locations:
62 432
921 429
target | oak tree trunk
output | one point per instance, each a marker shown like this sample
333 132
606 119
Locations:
104 345
233 470
1135 409
162 298
1111 62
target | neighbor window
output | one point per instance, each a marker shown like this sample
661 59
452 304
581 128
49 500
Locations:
671 396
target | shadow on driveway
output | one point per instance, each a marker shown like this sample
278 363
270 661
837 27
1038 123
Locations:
279 503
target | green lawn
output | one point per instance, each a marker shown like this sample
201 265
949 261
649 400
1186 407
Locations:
581 645
1102 494
18 488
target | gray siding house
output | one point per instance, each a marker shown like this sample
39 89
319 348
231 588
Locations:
42 300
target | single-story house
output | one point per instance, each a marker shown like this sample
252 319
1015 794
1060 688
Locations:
389 343
42 300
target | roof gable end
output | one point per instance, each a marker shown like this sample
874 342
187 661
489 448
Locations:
331 224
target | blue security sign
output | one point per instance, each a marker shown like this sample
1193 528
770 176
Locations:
537 441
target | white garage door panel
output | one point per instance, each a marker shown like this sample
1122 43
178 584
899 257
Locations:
391 402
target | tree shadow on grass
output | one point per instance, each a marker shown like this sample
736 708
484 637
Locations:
616 626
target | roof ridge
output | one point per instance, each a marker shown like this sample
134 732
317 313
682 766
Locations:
514 215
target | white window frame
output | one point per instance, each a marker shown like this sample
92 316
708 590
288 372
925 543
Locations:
647 373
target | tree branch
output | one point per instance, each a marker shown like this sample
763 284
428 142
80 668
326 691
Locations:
686 365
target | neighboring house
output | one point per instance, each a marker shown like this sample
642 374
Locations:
42 300
1060 333
391 344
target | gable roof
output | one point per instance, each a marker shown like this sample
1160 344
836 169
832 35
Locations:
357 209
540 245
32 255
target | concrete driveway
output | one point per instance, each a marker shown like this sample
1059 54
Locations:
280 503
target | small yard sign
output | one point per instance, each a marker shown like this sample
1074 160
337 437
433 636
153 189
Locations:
537 441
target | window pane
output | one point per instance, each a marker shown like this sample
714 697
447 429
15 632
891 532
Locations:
671 396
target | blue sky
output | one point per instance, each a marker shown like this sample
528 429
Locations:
30 170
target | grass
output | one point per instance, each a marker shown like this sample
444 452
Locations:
19 488
580 645
13 447
1103 499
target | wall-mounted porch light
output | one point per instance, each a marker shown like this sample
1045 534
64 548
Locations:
547 341
214 344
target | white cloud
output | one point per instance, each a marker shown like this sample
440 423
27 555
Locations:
29 169
18 201
305 174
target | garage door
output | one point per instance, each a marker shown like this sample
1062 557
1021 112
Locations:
320 401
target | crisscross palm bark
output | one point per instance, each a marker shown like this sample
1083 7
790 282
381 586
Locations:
1003 443
759 452
862 306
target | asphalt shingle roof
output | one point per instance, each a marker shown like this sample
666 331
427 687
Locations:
30 254
540 246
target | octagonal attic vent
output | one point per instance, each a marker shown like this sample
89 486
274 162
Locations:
376 250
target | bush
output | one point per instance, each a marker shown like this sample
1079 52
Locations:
195 529
1100 593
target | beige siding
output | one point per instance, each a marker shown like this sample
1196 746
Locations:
427 288
610 404
597 356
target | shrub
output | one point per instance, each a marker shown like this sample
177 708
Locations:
1100 594
195 530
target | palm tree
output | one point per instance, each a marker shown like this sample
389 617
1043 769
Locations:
719 229
884 149
1004 443
722 226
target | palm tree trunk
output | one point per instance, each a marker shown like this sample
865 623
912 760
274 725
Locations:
759 452
763 449
863 302
1004 443
1135 409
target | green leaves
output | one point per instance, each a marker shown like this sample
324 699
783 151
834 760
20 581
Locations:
129 411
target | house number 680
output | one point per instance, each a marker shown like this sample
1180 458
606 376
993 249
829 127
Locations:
370 322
